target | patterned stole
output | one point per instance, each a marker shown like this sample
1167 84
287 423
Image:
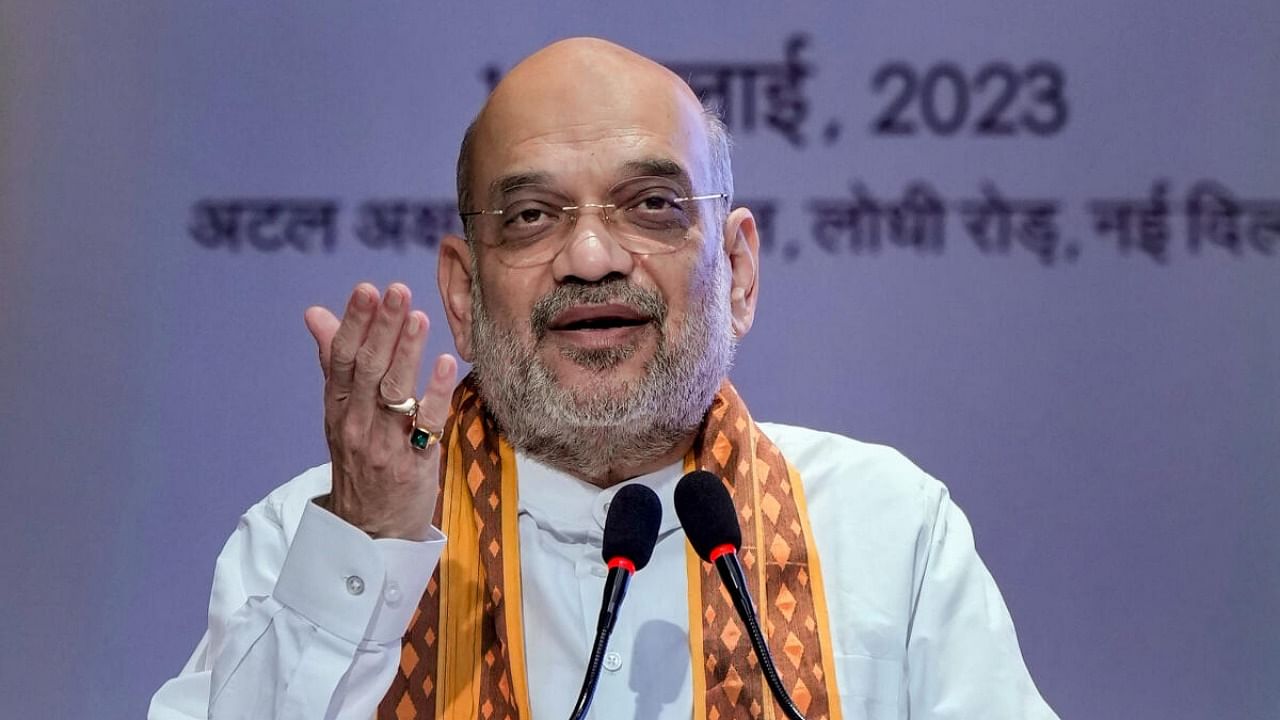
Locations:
463 655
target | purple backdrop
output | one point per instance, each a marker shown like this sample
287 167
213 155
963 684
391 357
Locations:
1098 386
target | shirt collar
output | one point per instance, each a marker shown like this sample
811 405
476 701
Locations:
554 496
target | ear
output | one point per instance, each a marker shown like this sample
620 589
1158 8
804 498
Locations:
742 246
453 274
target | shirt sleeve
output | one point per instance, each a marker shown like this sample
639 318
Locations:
963 659
302 624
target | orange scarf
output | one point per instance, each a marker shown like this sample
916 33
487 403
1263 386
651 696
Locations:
463 655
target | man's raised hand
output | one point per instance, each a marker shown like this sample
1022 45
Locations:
381 483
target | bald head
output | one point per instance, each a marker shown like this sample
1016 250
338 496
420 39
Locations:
587 92
568 70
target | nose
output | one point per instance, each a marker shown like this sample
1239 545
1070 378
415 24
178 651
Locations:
592 252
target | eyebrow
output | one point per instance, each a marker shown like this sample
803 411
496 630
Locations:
654 166
505 184
660 167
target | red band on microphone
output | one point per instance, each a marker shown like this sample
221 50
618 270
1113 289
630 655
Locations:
623 563
719 550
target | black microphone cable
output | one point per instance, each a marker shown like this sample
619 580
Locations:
630 532
711 522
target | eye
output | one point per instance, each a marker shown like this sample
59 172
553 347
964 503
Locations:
528 220
529 216
658 200
657 208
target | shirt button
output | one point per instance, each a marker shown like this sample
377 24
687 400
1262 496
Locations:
392 594
355 585
612 662
600 508
599 571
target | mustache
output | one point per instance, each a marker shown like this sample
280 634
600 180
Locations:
609 290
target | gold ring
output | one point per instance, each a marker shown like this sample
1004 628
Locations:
421 438
408 406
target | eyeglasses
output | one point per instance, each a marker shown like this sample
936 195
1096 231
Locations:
648 216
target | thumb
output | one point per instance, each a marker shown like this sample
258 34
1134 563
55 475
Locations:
323 325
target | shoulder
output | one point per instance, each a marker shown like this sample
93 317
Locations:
827 460
873 513
850 479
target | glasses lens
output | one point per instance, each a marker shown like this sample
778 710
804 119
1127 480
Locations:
525 222
652 215
645 215
527 230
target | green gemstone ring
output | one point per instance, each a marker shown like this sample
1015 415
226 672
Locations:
422 438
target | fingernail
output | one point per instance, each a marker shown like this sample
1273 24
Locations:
394 299
364 299
442 369
415 324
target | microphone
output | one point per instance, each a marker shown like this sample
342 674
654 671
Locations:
710 520
630 532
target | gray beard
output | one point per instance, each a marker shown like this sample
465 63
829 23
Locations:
592 433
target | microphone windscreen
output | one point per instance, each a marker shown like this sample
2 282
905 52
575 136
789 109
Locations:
631 527
707 513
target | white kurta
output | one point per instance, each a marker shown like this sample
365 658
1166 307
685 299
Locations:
307 612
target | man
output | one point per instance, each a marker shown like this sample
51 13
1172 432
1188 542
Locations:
599 294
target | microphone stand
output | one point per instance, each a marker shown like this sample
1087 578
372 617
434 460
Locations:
615 588
736 583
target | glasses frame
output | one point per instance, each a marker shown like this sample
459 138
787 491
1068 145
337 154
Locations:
574 212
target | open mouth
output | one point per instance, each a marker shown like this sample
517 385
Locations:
598 317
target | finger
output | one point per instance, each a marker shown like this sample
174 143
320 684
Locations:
374 356
433 410
322 324
401 378
347 339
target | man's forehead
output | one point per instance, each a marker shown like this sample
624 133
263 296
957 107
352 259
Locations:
661 167
589 102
